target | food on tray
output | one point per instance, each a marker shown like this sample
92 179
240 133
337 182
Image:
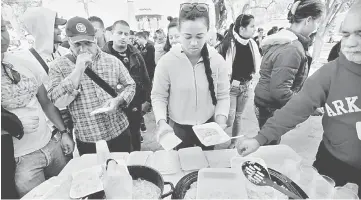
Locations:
143 189
210 134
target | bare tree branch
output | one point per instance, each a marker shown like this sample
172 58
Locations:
263 7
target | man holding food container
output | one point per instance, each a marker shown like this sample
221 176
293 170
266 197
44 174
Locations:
86 82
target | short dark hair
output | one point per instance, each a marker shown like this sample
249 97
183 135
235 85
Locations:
306 8
141 34
96 19
121 22
147 34
109 28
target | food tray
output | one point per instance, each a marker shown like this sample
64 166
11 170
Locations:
139 157
220 183
192 158
275 155
184 184
210 134
220 158
166 162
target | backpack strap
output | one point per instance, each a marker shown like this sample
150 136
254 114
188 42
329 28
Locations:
92 75
40 60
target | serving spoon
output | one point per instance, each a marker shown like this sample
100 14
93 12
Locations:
258 175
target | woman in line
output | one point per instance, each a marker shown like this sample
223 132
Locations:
243 59
172 38
284 66
191 80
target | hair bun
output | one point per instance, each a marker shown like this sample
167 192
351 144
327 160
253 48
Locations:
170 18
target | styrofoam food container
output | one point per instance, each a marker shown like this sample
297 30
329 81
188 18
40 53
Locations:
210 134
220 183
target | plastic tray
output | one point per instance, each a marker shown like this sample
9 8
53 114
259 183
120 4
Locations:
139 157
220 158
192 158
166 162
275 156
220 183
210 134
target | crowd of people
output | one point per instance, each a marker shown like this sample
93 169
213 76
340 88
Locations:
49 93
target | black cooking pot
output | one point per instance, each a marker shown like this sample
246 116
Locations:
144 173
151 175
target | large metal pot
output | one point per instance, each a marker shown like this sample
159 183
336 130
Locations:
151 175
145 173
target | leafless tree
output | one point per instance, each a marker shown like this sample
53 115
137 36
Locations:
86 5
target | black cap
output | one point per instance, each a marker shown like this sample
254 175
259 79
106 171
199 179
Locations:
80 29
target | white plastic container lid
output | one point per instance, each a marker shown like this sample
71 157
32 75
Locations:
220 183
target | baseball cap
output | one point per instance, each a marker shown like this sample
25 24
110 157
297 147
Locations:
60 21
80 29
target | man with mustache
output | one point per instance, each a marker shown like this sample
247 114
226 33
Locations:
71 88
121 48
337 87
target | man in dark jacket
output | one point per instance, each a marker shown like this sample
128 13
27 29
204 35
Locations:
148 52
258 39
336 87
133 61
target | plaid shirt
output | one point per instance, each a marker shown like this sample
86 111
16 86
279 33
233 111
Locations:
89 96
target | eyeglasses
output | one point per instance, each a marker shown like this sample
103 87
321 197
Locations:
201 7
14 76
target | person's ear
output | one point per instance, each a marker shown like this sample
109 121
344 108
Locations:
308 20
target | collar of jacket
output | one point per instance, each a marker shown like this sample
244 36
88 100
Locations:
239 39
305 41
108 48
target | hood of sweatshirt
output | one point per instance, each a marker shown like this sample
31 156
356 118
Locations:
178 51
285 36
39 22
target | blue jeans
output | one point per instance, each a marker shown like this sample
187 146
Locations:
239 97
34 168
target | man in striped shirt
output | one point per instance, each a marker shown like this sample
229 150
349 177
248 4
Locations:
72 88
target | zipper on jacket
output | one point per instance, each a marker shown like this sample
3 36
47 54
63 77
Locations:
195 85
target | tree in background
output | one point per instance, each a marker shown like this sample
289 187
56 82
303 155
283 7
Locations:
86 6
333 7
12 10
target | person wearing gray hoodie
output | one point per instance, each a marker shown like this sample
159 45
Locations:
284 66
43 24
336 87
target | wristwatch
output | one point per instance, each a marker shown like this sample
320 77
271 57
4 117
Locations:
64 131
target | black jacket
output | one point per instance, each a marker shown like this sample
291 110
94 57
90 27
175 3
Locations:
138 71
148 53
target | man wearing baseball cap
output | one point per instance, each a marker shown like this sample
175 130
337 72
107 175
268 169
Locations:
72 88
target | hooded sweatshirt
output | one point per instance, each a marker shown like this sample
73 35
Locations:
284 68
337 87
39 22
184 88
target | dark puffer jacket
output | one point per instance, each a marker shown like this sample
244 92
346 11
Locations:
284 68
138 71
